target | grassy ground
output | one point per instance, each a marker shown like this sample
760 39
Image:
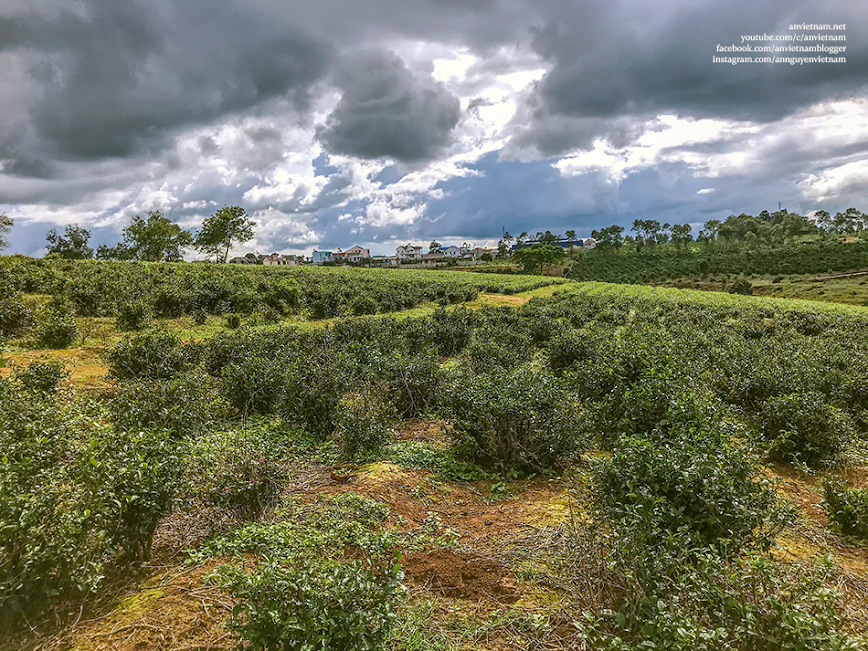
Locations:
851 291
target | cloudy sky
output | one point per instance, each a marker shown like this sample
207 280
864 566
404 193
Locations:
377 122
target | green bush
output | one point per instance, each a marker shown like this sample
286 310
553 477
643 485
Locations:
716 605
414 383
804 428
56 327
742 286
667 498
42 377
313 392
233 321
137 473
185 405
133 316
240 470
255 385
847 508
16 316
52 527
365 421
157 354
520 420
314 605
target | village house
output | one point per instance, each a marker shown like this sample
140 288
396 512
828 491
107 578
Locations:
433 259
450 251
280 260
318 257
409 254
356 254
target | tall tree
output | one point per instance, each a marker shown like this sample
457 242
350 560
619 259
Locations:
681 234
571 236
610 237
646 230
433 246
538 256
70 246
227 225
153 239
5 226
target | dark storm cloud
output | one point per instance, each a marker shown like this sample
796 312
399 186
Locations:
639 59
119 77
387 110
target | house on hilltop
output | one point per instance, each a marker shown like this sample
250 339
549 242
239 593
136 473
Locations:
320 257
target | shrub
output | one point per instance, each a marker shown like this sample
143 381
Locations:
200 317
53 534
238 470
364 305
569 347
748 603
157 354
185 405
233 321
313 392
137 474
42 377
803 428
314 605
254 385
133 316
667 498
56 328
520 420
414 383
364 421
16 316
742 286
847 508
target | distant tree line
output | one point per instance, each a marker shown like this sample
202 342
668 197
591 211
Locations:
765 228
153 238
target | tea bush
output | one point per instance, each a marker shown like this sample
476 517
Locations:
804 428
185 405
137 473
694 492
53 538
313 605
717 605
157 354
16 316
365 421
56 327
847 508
42 377
414 383
240 470
515 420
135 315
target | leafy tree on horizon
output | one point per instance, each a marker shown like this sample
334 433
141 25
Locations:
433 246
536 257
227 225
155 239
610 237
680 235
70 246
